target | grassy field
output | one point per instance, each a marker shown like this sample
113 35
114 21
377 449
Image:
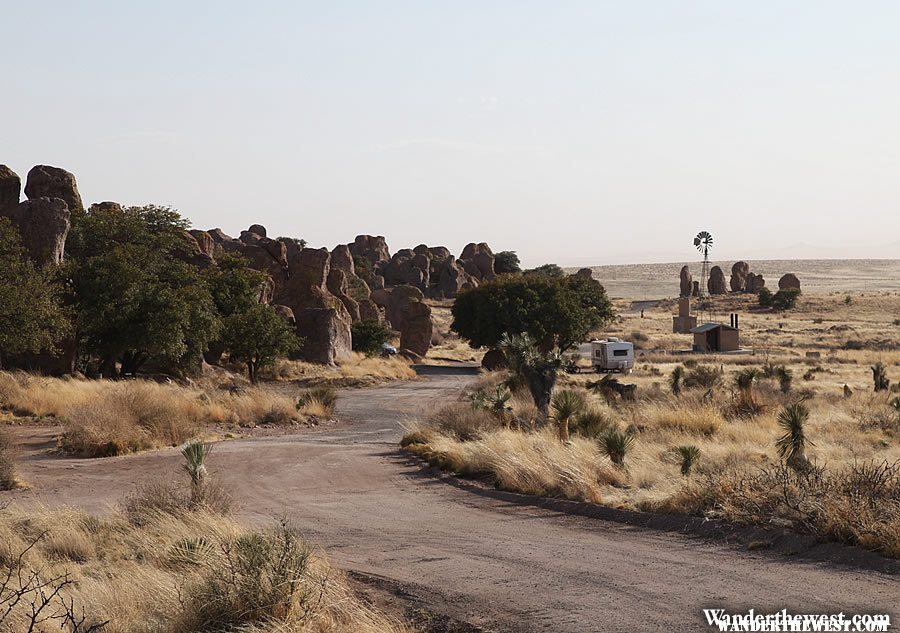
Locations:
849 491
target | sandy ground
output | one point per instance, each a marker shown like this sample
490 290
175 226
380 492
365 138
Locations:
491 561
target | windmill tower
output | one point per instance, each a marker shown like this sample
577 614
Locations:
703 242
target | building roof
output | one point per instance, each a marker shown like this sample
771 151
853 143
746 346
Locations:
706 327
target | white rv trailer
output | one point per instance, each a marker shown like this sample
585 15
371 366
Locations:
612 354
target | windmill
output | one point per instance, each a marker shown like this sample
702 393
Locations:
704 242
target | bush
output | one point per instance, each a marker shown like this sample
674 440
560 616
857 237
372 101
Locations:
318 401
506 262
259 577
463 422
702 376
8 454
781 300
369 336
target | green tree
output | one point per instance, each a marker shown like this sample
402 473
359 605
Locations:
507 262
554 312
547 270
137 296
368 337
258 336
32 318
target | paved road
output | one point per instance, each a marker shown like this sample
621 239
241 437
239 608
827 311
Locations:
498 564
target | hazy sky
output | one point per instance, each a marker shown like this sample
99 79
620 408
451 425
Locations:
576 132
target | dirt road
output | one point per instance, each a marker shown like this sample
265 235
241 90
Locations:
494 563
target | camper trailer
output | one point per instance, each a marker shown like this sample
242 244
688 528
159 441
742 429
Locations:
612 354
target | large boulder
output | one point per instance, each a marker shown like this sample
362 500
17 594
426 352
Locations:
584 273
326 335
452 279
204 241
342 258
789 282
371 247
755 283
10 188
478 261
337 285
43 225
716 283
394 302
107 206
739 273
415 335
687 282
368 311
494 360
44 181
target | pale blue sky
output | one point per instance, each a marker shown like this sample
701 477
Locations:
577 132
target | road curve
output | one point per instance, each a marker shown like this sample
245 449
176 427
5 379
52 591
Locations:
492 563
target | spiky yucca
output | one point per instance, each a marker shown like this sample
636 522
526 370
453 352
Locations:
195 453
689 456
675 379
615 444
566 404
793 444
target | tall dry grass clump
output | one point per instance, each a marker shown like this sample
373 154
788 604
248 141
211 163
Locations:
185 573
356 370
104 418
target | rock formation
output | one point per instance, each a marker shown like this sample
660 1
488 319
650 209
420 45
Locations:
789 281
452 279
755 283
687 282
739 274
43 225
716 284
10 188
695 289
373 248
44 181
407 313
478 261
587 273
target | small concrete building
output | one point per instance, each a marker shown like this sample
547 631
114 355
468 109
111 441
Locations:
683 323
716 337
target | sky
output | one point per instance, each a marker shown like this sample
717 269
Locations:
574 132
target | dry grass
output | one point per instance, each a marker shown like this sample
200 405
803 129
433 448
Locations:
103 418
8 453
847 433
358 370
158 576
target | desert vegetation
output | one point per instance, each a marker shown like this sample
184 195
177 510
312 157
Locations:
171 559
104 418
778 438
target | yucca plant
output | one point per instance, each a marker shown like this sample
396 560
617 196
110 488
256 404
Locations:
615 445
746 403
879 377
689 456
675 379
498 403
793 444
591 423
535 368
564 406
745 378
195 453
785 378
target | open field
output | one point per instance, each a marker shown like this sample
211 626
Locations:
657 281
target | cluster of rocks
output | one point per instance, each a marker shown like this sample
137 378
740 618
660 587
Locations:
431 269
322 292
743 280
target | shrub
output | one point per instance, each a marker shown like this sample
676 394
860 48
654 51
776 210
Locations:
260 577
675 379
591 423
369 336
318 402
8 454
463 422
702 376
566 405
506 262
